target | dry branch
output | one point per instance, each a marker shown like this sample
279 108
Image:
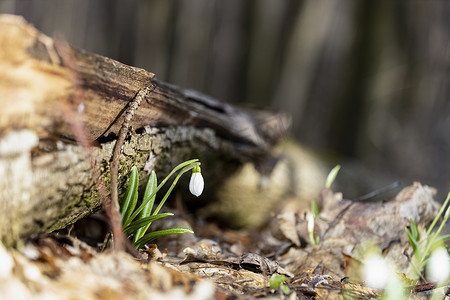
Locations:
46 181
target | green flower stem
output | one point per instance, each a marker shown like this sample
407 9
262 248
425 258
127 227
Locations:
190 164
184 170
311 238
439 215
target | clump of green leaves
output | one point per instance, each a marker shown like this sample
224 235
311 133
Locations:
278 281
423 248
136 221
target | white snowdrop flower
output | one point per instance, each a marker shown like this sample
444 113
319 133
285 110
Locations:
196 184
438 267
80 108
310 223
375 271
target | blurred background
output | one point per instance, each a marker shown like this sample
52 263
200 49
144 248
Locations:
367 80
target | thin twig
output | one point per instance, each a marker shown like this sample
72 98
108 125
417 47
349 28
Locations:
70 108
116 219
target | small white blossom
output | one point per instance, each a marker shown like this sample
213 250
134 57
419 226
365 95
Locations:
80 108
310 223
375 271
438 267
196 184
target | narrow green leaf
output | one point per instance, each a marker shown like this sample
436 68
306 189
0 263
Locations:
332 176
128 206
134 226
153 235
414 230
146 211
437 242
412 241
444 238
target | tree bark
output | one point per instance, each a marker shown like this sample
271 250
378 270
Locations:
46 180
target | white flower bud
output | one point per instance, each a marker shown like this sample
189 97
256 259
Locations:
196 184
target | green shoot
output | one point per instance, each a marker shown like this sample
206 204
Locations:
332 176
277 281
423 248
314 209
311 224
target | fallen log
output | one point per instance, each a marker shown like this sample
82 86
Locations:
51 99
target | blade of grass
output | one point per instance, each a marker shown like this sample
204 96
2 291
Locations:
186 163
152 184
133 227
153 235
128 206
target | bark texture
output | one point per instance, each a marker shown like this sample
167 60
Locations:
46 181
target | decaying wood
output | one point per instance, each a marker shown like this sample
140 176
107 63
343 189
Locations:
52 187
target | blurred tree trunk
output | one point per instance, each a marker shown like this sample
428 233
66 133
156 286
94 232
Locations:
54 97
360 79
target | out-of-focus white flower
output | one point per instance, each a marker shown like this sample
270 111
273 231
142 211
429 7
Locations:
6 263
375 271
80 108
438 267
196 184
310 223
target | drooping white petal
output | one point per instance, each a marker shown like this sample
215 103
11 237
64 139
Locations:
196 184
375 271
310 223
438 267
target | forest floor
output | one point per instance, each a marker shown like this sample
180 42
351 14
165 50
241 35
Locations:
278 261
